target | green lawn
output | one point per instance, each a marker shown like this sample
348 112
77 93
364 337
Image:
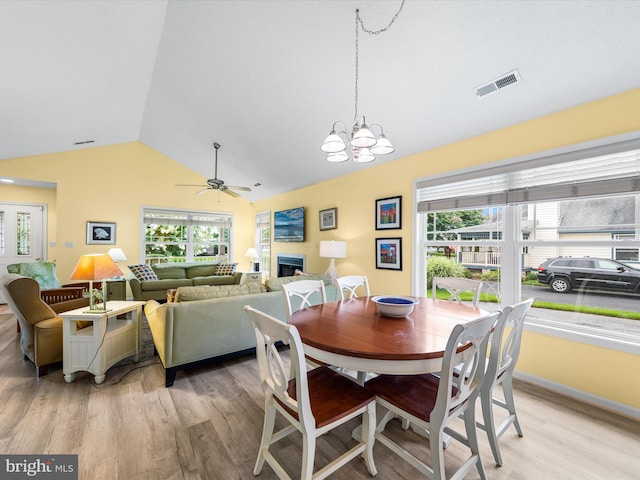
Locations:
607 312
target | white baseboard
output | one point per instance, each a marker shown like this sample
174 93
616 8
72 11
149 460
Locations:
580 395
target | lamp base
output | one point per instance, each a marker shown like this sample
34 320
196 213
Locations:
331 274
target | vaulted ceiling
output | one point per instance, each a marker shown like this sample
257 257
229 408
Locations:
267 79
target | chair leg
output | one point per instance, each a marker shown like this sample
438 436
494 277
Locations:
507 388
308 454
489 424
437 453
267 434
368 435
472 439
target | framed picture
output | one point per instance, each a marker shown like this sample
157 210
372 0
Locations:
389 253
101 233
389 213
329 219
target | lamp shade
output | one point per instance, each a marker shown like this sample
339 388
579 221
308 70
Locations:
117 255
251 253
333 249
96 266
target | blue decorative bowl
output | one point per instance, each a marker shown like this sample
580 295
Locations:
394 306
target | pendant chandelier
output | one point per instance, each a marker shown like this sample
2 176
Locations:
361 142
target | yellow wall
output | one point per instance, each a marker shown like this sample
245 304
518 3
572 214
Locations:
112 183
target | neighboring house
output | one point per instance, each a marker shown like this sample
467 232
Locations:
607 218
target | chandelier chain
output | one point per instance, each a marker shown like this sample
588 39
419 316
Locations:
360 24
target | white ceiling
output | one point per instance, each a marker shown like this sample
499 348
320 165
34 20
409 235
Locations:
267 79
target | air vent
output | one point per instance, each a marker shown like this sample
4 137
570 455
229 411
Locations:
497 84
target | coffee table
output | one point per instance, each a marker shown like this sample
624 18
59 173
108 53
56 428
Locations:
97 348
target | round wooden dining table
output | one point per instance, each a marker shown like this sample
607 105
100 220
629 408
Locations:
352 334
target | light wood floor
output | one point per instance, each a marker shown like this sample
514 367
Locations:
208 426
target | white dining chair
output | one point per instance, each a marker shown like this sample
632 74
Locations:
432 401
303 293
349 284
313 402
455 286
503 356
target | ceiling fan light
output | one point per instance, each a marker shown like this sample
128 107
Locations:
363 155
382 146
333 143
338 157
363 138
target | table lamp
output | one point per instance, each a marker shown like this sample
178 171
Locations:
253 255
96 266
332 249
117 255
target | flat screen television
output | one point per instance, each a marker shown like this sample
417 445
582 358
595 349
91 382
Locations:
288 225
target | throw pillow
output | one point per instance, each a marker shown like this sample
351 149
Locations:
143 272
226 268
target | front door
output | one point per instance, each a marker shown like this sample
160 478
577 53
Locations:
21 235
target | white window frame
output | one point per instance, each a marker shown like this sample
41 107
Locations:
193 217
510 247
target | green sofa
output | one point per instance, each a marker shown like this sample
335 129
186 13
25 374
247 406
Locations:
175 275
208 324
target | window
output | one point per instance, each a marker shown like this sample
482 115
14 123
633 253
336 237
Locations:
510 221
23 240
172 236
263 241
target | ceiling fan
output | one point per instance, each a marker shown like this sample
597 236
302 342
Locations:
215 183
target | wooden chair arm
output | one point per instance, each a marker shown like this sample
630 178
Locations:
58 295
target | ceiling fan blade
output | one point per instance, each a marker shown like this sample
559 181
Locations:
208 189
244 189
231 192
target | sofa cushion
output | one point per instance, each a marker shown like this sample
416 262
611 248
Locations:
203 292
164 284
202 270
143 272
216 280
226 268
170 271
275 284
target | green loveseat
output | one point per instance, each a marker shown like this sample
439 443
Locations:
174 275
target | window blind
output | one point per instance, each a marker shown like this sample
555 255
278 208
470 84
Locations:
606 170
177 217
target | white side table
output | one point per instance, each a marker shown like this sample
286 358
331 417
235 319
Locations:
251 277
96 348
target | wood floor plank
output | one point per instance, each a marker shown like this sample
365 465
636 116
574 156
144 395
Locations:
208 426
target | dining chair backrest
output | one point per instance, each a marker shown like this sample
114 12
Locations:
455 286
288 389
274 372
462 375
349 284
505 349
302 294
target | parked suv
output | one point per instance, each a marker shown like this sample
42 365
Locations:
566 273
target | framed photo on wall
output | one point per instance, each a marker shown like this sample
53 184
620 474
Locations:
101 233
389 253
329 219
389 213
